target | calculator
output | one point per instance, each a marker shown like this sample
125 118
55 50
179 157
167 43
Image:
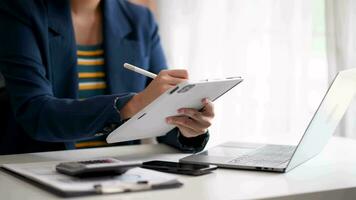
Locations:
96 167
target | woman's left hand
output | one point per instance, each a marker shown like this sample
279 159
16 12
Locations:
192 122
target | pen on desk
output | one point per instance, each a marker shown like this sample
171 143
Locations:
122 187
139 70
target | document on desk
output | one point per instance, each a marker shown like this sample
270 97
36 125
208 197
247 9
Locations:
136 179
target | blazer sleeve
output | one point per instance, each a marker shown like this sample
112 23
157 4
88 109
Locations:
158 63
43 116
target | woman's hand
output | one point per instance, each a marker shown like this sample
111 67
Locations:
165 80
192 122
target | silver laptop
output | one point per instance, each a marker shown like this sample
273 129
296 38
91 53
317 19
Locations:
282 158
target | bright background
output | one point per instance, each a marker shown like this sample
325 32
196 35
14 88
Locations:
277 46
287 51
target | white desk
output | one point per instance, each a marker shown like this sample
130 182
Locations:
330 175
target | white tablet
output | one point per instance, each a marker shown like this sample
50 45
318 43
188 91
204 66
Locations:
151 120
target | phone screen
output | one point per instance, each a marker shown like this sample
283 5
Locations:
181 168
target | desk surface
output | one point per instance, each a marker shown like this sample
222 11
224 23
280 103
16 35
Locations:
330 175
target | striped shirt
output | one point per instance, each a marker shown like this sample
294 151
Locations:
92 82
91 73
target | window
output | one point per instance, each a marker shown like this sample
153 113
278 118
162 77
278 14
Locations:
277 46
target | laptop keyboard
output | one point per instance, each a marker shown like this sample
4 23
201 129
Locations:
267 156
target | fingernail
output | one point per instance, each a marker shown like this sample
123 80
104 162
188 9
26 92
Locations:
180 111
168 120
205 100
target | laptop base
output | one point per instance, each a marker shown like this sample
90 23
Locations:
249 156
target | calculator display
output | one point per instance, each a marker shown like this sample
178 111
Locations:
95 167
89 162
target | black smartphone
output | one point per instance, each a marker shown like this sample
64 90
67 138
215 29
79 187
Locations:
96 167
179 168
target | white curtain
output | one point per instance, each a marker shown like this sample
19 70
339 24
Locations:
341 43
272 44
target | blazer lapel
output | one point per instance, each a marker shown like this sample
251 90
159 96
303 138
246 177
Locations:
62 46
120 46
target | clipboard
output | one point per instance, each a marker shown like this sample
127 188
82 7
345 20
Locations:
44 175
150 121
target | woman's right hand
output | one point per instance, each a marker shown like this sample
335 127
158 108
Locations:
165 80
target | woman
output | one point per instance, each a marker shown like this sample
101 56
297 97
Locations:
62 62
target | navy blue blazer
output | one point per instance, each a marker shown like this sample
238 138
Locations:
38 61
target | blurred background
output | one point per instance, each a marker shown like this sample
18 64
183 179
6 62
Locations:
287 51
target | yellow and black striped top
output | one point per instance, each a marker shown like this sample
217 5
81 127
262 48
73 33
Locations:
91 73
92 82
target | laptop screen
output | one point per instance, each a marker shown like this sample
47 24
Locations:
326 118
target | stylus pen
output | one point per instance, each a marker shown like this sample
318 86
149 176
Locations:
139 70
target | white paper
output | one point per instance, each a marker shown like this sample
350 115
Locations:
45 173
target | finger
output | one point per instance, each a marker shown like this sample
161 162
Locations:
196 115
178 73
172 80
188 132
164 88
208 109
187 122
